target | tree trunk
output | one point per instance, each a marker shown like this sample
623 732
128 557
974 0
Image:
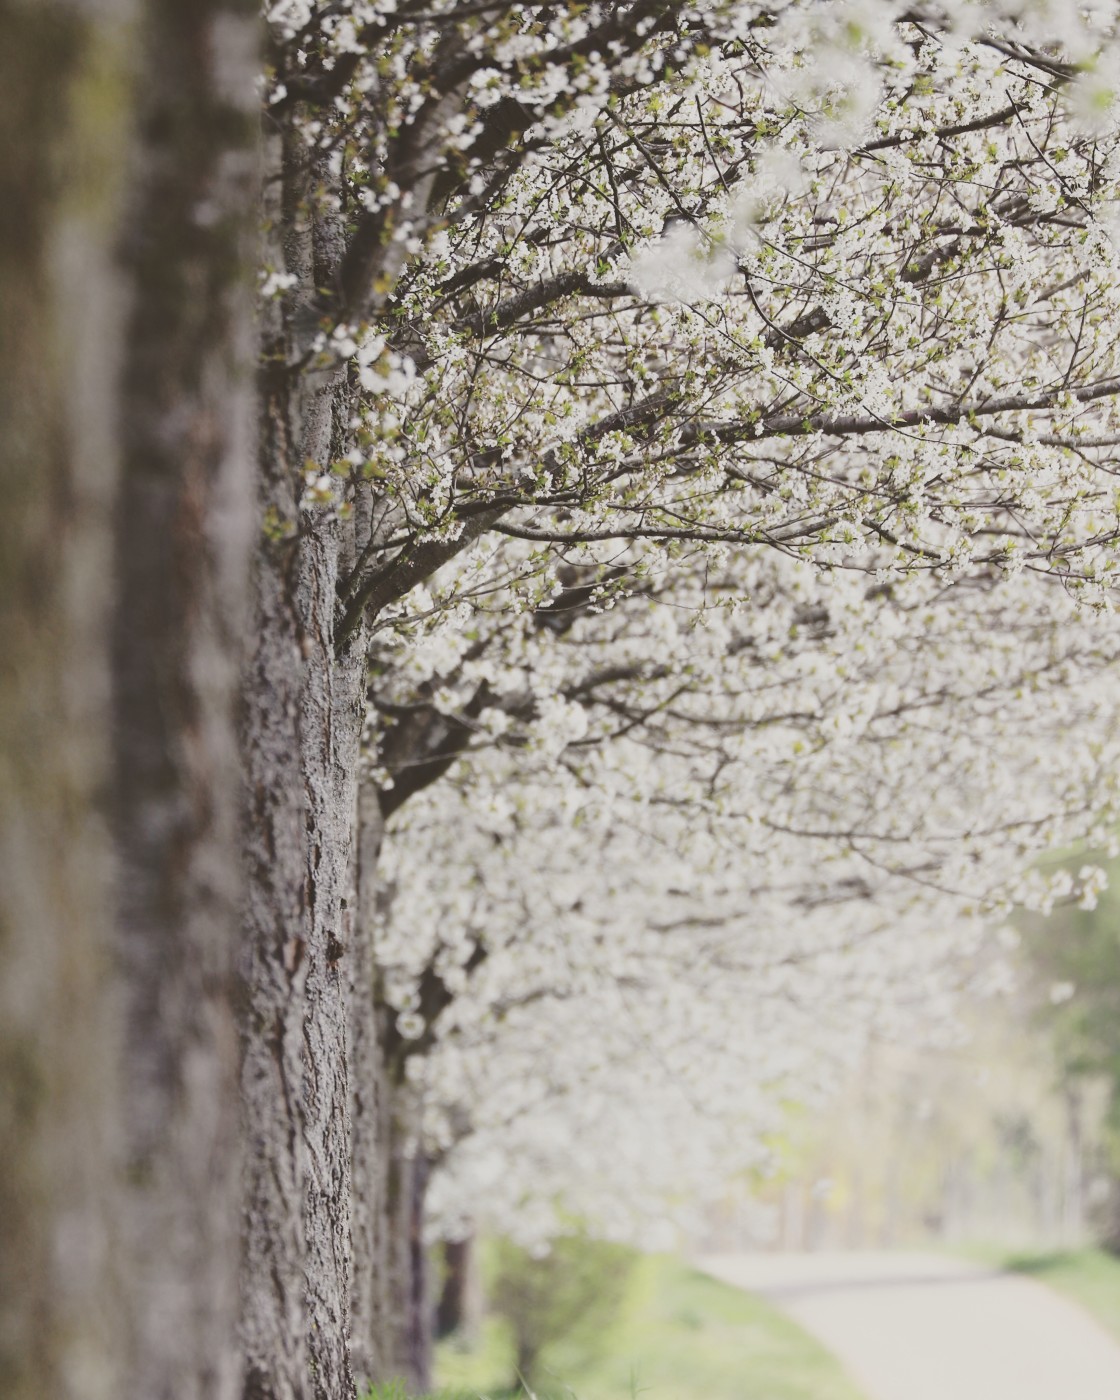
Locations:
305 710
455 1311
304 714
411 1315
126 434
64 105
371 1319
393 1313
182 535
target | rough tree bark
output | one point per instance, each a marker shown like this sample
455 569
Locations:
305 710
183 530
64 105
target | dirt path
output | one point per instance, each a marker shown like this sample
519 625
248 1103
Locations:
923 1327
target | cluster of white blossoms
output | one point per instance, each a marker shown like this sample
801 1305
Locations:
780 828
907 347
766 368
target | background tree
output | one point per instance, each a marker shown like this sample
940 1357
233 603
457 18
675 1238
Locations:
775 873
1073 965
570 1293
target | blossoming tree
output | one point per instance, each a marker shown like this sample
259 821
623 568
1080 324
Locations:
768 347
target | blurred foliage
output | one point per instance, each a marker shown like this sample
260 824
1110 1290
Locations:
571 1294
1074 958
678 1335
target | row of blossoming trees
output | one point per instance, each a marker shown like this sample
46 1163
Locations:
681 608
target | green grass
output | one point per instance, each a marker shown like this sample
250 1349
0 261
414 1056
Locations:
1088 1277
482 1369
679 1336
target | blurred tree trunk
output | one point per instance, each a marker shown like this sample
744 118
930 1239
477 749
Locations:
455 1311
65 104
392 1323
404 1323
122 552
372 1347
183 533
393 1314
409 1171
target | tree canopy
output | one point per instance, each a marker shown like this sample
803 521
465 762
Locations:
740 438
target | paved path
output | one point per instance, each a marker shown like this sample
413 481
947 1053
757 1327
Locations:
923 1327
